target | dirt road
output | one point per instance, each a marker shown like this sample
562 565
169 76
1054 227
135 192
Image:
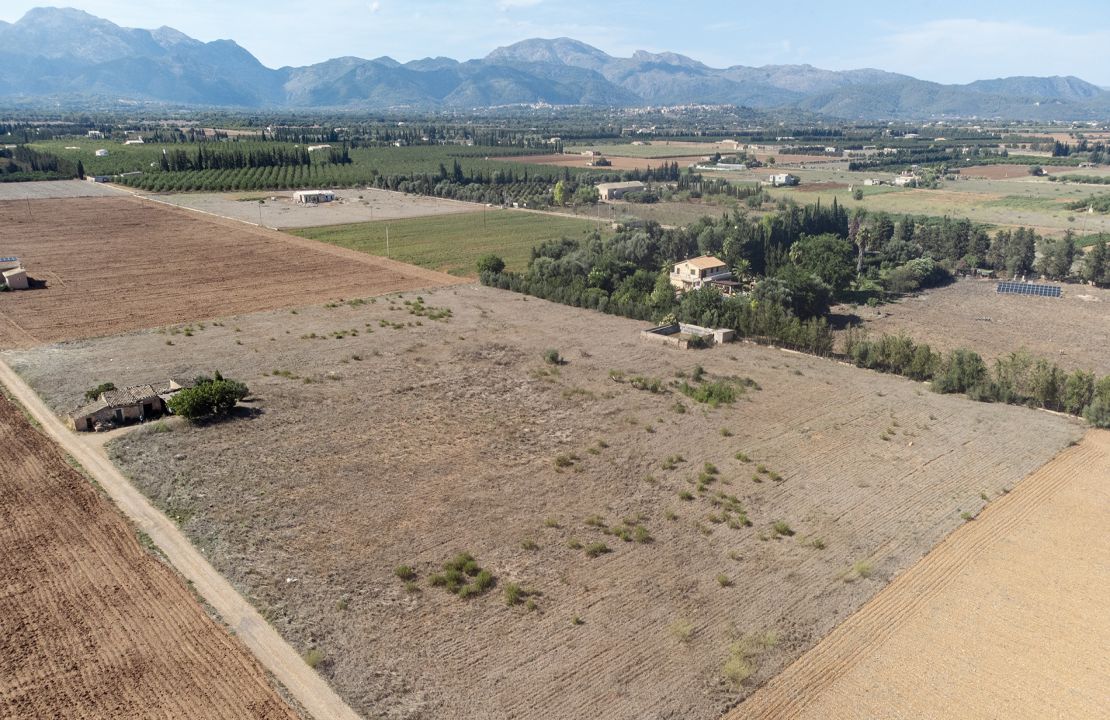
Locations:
273 653
1004 619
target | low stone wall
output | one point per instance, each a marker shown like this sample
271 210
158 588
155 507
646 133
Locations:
682 335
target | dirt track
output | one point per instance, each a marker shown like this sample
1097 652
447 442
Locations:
1004 619
91 625
116 264
304 684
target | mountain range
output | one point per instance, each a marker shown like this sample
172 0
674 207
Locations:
55 54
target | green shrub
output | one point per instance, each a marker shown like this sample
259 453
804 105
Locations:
490 263
209 397
551 357
94 393
405 572
597 548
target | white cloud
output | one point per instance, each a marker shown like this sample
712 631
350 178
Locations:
510 4
375 6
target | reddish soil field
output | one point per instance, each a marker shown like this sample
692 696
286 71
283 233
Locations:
1072 331
619 163
116 264
381 438
1004 619
91 625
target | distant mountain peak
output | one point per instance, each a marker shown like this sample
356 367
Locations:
65 52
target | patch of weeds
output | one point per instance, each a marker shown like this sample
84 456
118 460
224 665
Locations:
815 542
670 515
313 657
724 580
595 521
682 630
551 522
576 620
516 594
862 569
404 572
780 527
641 535
672 462
565 460
685 495
529 545
574 544
595 549
679 408
743 656
463 576
967 516
725 432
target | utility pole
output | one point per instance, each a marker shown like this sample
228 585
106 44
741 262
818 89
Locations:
387 241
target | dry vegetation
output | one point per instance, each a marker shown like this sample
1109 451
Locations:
1072 331
1005 618
117 264
643 552
91 625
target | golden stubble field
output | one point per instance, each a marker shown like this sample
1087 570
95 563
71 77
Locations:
381 437
1004 619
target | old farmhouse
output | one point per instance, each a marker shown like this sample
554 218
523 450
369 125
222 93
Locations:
617 190
137 403
702 271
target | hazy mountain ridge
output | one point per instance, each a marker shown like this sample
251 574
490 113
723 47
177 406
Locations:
54 53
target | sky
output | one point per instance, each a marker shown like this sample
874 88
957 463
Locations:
940 40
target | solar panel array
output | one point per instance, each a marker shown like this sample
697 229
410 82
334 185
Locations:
1020 288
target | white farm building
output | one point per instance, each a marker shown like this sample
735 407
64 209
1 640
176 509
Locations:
313 197
617 190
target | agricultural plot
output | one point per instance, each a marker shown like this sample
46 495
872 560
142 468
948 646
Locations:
1015 202
454 243
92 625
55 189
1005 618
277 210
116 264
617 163
1072 331
635 552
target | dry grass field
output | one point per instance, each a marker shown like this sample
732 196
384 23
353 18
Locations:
56 189
618 162
277 209
1004 619
679 555
115 264
1072 331
92 626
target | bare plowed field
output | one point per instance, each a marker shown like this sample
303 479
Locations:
1073 331
618 163
56 189
115 264
1004 619
381 437
277 209
91 625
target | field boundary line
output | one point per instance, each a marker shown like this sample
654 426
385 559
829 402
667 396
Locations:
268 647
794 688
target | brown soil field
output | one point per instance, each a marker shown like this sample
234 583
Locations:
1004 619
618 163
1072 331
92 625
279 211
56 189
117 264
416 439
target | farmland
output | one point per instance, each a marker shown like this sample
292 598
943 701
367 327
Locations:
677 555
1020 201
55 189
453 244
1071 331
366 166
277 210
116 264
1005 618
91 624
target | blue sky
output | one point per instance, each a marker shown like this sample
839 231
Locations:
932 39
